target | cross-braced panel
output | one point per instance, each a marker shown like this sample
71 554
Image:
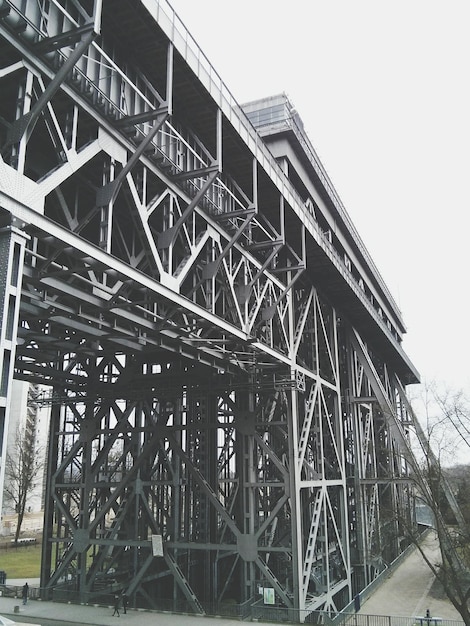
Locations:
227 422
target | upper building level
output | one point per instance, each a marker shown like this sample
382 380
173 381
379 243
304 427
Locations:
145 64
280 126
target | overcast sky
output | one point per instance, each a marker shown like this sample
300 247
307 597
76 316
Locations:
383 90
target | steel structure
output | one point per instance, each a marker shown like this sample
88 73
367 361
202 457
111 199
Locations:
228 412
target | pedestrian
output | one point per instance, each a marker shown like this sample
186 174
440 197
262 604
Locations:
125 603
116 605
25 593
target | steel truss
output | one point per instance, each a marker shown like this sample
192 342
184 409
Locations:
219 425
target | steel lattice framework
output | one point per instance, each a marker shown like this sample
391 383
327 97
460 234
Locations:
228 410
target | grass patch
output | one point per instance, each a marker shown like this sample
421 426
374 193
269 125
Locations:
24 562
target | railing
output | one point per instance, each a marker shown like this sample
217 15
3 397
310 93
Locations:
243 612
105 78
23 542
15 591
360 619
247 611
203 69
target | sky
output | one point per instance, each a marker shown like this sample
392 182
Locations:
383 90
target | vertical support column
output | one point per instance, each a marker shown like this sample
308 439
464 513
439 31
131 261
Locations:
295 504
12 247
245 471
23 107
48 530
359 558
294 467
211 582
81 537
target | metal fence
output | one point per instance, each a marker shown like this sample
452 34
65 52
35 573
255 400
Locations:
359 619
249 611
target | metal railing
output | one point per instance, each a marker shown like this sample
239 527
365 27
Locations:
248 611
201 66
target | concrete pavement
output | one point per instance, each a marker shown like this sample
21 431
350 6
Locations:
96 615
412 588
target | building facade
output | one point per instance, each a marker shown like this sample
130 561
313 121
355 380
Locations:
229 425
26 443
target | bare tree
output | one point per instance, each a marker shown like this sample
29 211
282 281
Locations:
22 468
447 417
452 568
454 410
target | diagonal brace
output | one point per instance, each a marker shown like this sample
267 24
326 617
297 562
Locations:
60 41
244 291
268 312
210 269
167 237
24 125
108 193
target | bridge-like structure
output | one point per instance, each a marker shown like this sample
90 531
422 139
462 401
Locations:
228 413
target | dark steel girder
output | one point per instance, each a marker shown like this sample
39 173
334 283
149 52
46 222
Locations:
208 392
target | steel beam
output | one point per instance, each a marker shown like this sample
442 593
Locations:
218 425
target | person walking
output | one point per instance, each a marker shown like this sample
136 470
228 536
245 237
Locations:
125 603
116 605
25 593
